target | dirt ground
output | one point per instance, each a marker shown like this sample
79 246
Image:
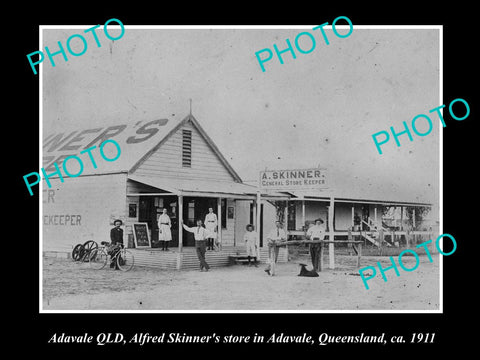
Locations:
69 285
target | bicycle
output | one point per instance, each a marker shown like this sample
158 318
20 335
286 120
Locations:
119 256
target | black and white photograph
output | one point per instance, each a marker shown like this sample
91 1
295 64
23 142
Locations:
214 179
244 181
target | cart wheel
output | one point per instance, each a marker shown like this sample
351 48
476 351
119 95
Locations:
125 260
88 246
97 259
77 252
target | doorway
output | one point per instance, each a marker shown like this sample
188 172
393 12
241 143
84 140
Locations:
365 216
150 209
194 208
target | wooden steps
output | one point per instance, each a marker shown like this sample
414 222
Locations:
188 259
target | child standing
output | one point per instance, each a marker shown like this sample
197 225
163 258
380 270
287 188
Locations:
251 242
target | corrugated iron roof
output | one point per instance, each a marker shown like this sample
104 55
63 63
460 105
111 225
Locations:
345 187
179 186
136 141
134 138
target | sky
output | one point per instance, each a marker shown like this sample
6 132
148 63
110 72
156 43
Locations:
319 109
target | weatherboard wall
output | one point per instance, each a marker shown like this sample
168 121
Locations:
93 202
166 161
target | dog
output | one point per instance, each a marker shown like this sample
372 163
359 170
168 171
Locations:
305 272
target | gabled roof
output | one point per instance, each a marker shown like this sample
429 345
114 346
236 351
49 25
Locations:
137 141
190 118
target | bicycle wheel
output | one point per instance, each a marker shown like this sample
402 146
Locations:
125 260
77 252
97 259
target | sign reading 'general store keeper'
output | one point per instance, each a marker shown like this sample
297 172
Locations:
293 179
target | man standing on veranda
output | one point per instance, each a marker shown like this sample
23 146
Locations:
201 234
275 236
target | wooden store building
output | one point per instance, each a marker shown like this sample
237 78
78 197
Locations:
378 215
176 165
163 164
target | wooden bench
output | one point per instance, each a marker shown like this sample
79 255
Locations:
238 259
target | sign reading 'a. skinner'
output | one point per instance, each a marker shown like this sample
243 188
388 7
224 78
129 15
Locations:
293 179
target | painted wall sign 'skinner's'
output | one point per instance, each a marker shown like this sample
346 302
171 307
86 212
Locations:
78 49
56 147
293 179
60 149
302 49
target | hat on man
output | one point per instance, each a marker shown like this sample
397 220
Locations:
117 220
319 220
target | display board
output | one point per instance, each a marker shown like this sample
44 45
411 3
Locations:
141 235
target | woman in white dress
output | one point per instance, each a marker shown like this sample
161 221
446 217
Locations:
164 232
211 225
